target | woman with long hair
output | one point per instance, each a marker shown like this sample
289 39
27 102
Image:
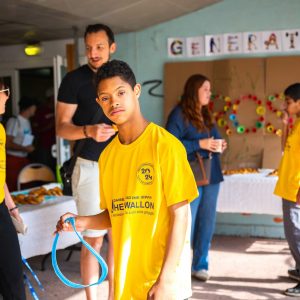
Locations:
11 273
191 122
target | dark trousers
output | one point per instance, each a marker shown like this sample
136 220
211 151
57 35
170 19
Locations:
291 221
11 272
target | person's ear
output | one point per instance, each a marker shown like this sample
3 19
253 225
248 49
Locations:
137 90
112 48
298 104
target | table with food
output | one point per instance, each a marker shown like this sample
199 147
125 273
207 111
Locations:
40 209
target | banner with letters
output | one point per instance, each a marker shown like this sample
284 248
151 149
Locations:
276 41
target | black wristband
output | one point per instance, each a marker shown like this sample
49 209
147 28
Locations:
11 209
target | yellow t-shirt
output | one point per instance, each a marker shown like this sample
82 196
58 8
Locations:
137 184
2 162
288 182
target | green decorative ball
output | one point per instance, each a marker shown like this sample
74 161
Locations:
240 129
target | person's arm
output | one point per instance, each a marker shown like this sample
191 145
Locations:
12 127
285 129
66 129
11 145
162 289
9 202
100 221
176 126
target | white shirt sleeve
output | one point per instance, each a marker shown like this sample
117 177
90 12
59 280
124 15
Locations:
12 126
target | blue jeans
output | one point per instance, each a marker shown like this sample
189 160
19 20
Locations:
203 211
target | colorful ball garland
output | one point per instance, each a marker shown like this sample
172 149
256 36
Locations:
240 128
260 111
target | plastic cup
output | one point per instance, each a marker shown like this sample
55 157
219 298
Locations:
219 145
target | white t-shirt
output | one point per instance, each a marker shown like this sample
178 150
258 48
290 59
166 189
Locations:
20 129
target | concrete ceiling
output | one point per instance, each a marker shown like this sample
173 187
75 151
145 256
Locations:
24 21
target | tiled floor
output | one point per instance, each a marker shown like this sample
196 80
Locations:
242 268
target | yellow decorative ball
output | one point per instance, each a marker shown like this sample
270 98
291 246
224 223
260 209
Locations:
222 122
270 128
235 107
260 110
278 113
281 96
226 108
227 99
278 132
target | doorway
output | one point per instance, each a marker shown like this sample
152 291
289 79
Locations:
38 84
35 82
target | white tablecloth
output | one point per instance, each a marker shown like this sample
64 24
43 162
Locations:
41 220
249 193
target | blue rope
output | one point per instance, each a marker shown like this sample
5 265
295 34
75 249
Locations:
30 287
33 273
59 274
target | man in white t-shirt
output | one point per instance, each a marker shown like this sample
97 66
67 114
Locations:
19 141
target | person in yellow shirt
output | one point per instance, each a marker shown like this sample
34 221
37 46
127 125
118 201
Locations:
11 272
144 196
288 184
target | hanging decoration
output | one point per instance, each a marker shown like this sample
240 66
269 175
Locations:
260 111
270 128
228 115
220 116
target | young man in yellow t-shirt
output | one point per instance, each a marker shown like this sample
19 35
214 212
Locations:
288 184
145 188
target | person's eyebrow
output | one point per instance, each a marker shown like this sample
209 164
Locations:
119 87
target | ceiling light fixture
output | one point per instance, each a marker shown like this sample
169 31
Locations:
33 49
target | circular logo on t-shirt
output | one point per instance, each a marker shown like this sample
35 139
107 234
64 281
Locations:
145 173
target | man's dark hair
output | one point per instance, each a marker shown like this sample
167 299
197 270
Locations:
26 102
116 68
2 85
94 28
293 91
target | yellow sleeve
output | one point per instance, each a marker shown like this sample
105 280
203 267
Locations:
178 179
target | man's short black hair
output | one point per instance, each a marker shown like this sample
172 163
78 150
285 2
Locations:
293 91
94 28
2 84
116 68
